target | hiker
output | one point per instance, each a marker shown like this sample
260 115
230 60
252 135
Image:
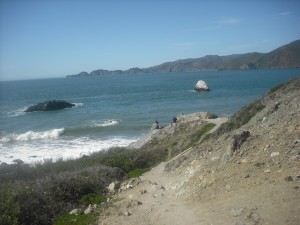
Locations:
174 121
157 124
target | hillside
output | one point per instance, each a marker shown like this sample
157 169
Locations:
287 56
246 172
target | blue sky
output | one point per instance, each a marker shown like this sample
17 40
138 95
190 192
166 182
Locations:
53 38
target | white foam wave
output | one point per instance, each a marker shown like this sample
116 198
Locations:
78 104
17 112
107 123
31 135
63 148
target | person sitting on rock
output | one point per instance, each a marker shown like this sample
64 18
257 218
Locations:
174 121
157 124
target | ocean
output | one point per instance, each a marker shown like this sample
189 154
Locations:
115 110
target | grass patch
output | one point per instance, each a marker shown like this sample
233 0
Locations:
92 198
204 129
137 172
239 119
276 88
200 133
72 219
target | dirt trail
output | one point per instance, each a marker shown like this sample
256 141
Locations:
157 203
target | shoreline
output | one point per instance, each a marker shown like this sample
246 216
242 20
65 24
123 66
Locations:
134 143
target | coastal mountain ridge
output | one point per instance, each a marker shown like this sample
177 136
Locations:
287 56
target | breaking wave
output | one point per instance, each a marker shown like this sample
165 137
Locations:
32 135
106 123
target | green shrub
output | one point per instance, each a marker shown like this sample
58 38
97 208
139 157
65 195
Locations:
9 207
239 119
92 198
72 219
137 172
196 137
204 129
273 89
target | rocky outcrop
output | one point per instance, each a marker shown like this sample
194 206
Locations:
49 106
201 86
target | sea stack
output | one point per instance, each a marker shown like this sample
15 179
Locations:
201 86
49 106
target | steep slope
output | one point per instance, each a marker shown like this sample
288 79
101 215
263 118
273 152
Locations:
246 172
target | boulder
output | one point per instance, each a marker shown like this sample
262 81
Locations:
91 208
201 86
113 187
49 106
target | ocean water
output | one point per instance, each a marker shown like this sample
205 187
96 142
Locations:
115 110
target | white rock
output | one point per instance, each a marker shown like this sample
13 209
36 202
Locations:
89 209
75 211
113 187
273 154
201 86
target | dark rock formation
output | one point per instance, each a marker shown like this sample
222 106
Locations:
49 106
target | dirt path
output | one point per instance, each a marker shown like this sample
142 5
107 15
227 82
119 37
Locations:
152 201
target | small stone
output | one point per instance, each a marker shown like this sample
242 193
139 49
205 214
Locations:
288 178
143 192
239 223
89 209
254 216
296 142
237 211
126 213
214 158
295 178
267 171
274 154
247 175
130 196
133 203
129 186
244 160
161 187
113 187
227 187
75 211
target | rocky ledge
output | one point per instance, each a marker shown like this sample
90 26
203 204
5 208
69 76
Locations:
49 106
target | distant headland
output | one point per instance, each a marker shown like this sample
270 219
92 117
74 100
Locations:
287 56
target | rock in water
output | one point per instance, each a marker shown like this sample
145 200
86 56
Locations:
49 106
201 86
